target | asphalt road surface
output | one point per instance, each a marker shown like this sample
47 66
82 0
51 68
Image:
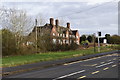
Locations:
99 67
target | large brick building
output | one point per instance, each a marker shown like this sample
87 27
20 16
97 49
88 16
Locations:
59 34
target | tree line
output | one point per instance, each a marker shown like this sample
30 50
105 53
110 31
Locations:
114 39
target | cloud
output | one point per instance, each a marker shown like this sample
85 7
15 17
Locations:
87 21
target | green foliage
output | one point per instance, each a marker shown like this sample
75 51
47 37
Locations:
31 58
83 42
82 38
89 38
107 36
117 47
115 39
8 43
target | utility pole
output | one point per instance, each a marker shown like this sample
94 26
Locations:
36 34
94 41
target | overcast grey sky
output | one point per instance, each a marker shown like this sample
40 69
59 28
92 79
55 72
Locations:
104 17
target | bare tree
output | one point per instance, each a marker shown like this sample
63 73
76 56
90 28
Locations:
16 21
40 19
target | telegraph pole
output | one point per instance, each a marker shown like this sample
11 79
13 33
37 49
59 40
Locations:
94 41
36 33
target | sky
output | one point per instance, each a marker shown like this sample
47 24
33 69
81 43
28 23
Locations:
88 16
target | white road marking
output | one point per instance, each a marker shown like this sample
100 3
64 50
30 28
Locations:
70 74
104 64
114 65
72 63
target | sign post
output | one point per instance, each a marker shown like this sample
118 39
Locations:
99 34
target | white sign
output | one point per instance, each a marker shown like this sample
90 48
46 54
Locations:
105 41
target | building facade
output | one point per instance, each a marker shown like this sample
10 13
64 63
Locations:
58 34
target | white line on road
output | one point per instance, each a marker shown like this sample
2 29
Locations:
70 74
114 65
104 64
72 63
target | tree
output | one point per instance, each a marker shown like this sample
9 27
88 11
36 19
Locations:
82 38
40 19
107 36
90 38
18 23
8 43
115 39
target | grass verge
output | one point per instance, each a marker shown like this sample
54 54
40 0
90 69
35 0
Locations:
32 58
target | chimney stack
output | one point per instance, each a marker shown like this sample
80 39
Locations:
68 25
56 22
51 21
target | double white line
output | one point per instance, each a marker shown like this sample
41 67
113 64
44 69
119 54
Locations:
104 64
69 75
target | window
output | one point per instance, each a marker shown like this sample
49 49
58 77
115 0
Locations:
66 35
54 40
64 41
53 34
67 41
59 41
77 42
77 36
58 34
61 35
29 43
73 36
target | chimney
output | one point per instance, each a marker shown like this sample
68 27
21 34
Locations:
68 25
56 22
51 21
35 22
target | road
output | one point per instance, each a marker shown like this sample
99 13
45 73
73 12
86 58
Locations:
99 67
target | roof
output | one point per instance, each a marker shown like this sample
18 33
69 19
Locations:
60 29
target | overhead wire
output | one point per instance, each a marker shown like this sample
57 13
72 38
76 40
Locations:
85 9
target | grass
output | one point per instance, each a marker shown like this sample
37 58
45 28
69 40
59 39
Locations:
32 58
